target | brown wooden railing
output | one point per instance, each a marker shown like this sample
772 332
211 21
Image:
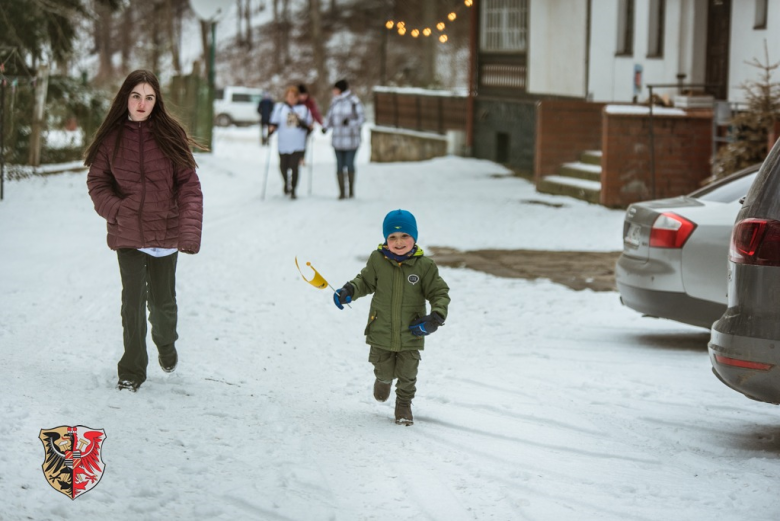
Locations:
416 109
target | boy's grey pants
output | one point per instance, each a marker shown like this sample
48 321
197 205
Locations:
151 281
397 364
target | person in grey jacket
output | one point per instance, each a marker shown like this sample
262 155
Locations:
345 118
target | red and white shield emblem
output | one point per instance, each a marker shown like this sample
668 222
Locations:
73 464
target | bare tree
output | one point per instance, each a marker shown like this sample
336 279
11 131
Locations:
427 72
277 37
248 23
173 15
318 47
105 47
285 36
126 38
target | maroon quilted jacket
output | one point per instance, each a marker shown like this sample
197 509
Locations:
146 199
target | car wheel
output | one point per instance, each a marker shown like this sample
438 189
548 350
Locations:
223 120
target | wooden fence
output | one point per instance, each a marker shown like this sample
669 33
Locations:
434 111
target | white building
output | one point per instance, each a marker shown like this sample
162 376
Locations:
610 50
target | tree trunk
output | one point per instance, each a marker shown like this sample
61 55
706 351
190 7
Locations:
173 17
239 35
318 49
285 37
105 47
154 37
277 30
427 72
248 23
125 40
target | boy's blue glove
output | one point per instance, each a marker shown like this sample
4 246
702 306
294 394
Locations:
343 296
426 325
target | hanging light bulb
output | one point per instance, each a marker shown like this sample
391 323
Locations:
452 17
401 30
415 33
468 3
443 38
401 24
389 24
440 26
427 31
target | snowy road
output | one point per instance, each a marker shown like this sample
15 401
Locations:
534 401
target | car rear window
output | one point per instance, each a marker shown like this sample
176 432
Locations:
726 192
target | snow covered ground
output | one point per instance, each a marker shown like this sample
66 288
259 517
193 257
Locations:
534 401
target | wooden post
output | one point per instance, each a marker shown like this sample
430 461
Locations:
41 88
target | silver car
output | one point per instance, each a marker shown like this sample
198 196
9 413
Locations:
744 344
674 260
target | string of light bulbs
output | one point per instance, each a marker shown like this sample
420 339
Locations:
401 29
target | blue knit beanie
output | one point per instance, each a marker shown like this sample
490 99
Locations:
400 221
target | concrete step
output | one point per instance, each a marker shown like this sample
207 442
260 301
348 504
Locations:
580 170
582 189
592 157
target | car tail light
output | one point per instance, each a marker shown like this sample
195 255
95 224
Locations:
670 231
756 241
745 364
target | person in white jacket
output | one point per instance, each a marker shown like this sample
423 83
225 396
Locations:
345 118
293 122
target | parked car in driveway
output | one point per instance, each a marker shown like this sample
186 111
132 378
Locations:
674 260
744 343
236 106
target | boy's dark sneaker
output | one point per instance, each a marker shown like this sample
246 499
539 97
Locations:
169 361
129 385
382 390
403 413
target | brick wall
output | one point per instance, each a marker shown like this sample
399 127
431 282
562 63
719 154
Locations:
683 145
563 130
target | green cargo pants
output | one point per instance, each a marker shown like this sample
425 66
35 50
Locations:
397 364
146 280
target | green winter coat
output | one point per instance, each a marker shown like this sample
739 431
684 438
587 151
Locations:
400 291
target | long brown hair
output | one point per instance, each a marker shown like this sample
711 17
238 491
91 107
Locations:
168 133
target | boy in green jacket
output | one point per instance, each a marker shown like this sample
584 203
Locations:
401 279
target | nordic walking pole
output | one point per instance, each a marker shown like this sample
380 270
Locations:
311 160
267 166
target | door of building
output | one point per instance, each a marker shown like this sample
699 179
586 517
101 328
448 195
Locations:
718 32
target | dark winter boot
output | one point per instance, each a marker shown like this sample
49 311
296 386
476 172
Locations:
340 176
129 385
351 184
382 390
168 361
403 413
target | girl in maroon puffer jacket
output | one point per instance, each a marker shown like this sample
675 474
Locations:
142 180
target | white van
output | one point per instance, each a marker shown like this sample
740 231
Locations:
236 106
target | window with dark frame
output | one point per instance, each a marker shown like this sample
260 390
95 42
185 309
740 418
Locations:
655 34
761 10
625 43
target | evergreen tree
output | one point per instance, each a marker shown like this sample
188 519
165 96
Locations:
749 129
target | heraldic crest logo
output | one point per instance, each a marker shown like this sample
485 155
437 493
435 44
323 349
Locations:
73 463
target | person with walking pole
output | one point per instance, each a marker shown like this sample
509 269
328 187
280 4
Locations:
292 122
345 117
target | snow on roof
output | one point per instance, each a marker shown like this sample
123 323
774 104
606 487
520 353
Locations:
422 92
641 109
